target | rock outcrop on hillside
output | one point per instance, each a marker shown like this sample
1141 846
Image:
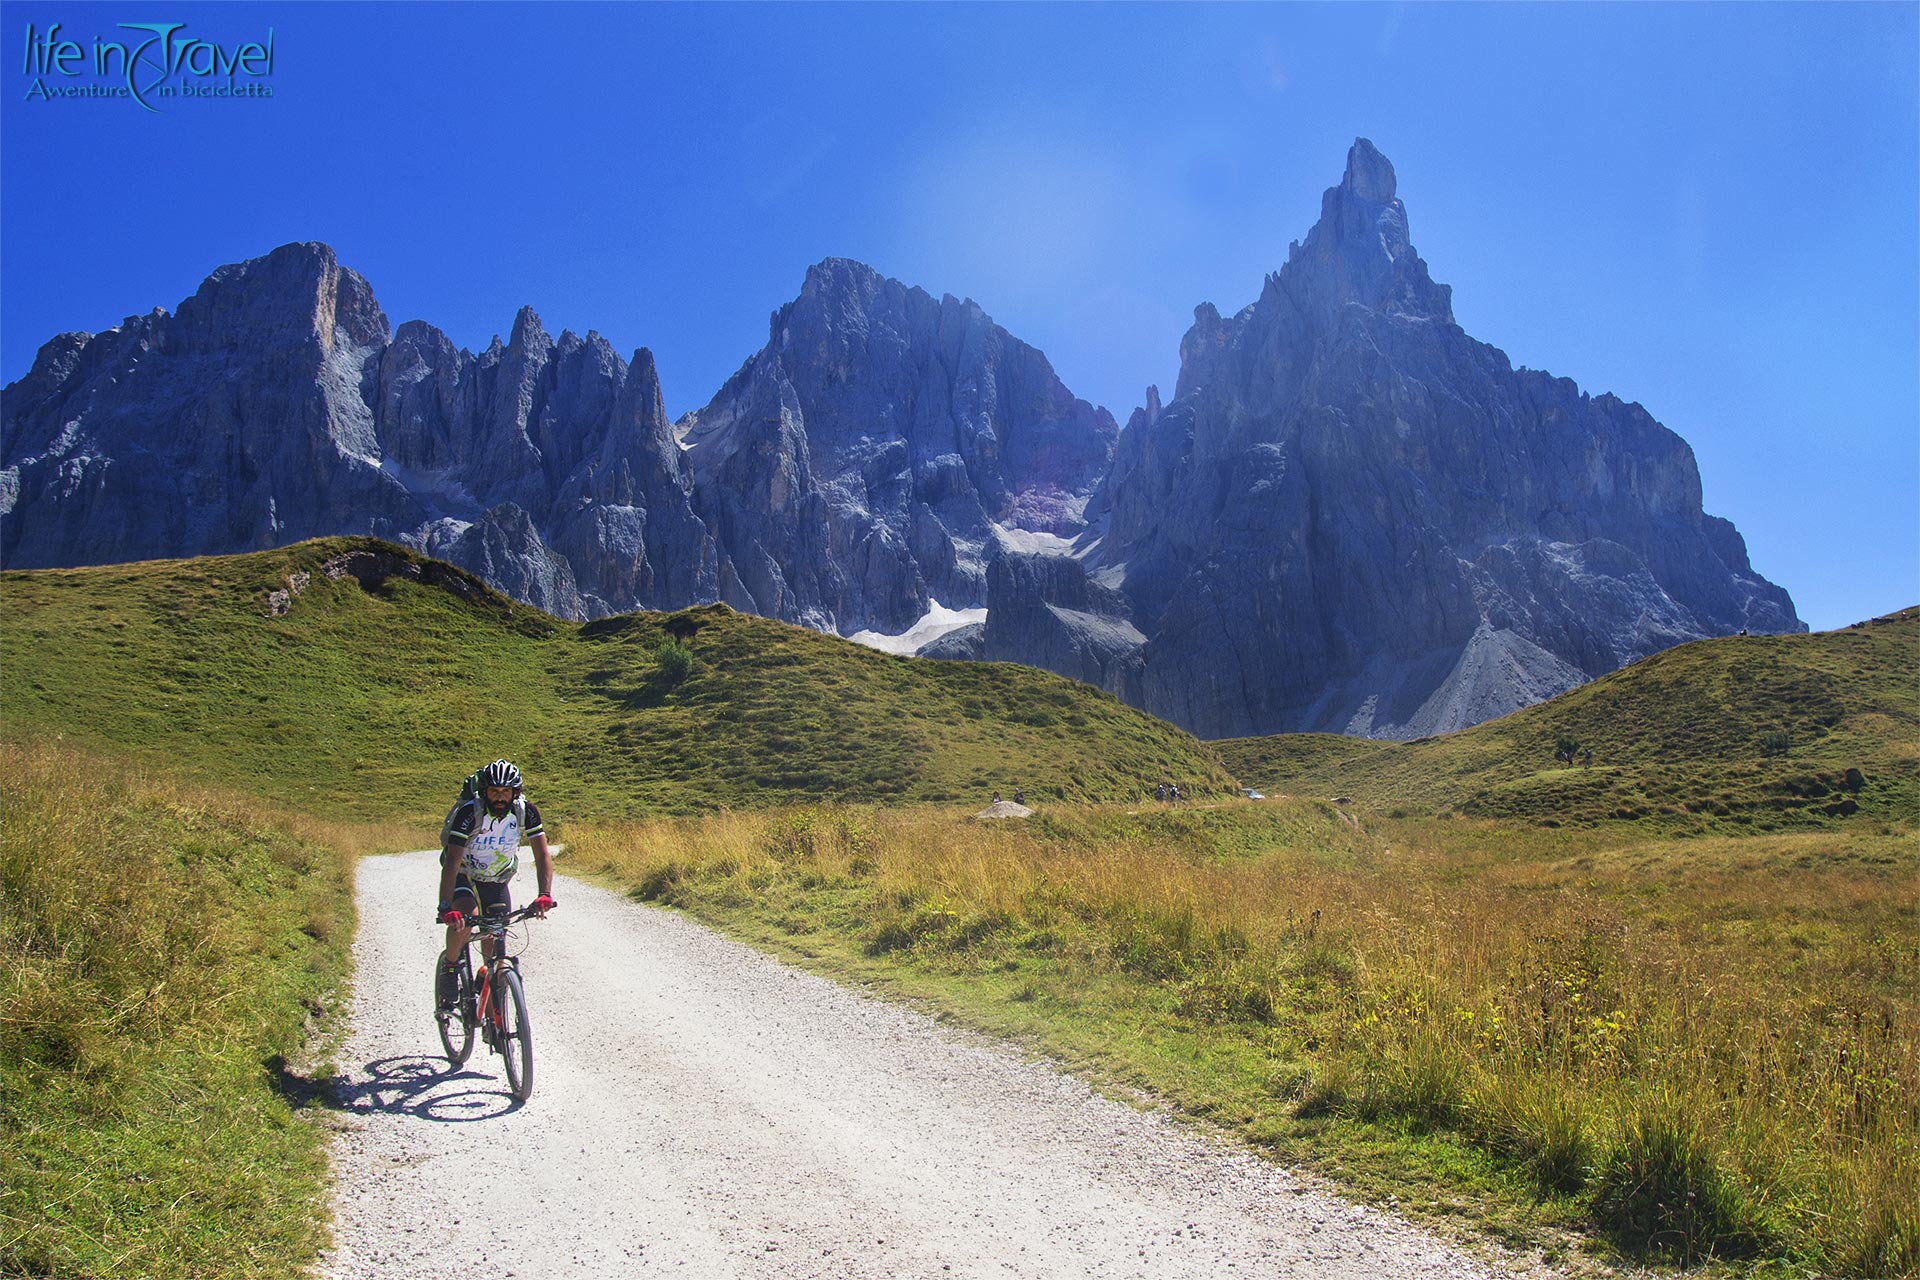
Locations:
1354 517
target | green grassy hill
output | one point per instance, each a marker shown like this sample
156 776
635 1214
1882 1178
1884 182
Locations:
382 683
1741 733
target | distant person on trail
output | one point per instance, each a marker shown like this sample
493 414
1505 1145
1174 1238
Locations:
1586 758
1160 793
479 852
1019 796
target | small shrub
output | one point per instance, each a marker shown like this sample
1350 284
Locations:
660 883
980 928
673 662
1155 944
792 840
1774 743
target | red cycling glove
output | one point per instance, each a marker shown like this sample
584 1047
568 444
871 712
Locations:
542 905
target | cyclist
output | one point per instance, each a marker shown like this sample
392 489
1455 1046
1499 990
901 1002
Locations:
480 854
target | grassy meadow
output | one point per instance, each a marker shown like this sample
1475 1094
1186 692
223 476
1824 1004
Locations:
365 699
1660 1009
1719 737
1606 1042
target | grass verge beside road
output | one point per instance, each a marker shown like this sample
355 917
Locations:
166 951
1698 1051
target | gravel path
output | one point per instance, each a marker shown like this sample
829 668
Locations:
700 1110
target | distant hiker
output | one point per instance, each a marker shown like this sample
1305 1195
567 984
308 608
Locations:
479 852
1586 758
1160 793
1019 797
996 797
1174 792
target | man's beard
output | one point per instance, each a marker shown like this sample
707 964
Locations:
499 811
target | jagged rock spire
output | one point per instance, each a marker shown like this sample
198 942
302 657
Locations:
1360 251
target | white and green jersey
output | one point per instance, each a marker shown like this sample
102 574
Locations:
492 844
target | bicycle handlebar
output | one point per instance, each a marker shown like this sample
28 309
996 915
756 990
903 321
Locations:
484 921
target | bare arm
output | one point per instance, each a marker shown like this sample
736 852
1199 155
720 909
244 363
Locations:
450 856
543 865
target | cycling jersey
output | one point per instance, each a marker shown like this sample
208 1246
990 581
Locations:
492 845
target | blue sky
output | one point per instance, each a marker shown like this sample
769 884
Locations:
1711 209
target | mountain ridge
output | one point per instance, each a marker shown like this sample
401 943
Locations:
1350 516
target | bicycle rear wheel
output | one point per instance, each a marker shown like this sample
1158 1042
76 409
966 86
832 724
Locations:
514 1035
456 1025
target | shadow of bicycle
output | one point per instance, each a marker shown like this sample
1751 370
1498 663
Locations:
414 1085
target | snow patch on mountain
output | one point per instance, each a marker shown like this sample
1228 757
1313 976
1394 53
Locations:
936 622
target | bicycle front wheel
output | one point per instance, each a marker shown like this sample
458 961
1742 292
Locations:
514 1034
456 1024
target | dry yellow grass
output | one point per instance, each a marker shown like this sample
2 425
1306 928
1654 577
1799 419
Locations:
1709 1046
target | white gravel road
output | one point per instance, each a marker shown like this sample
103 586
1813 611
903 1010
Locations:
702 1110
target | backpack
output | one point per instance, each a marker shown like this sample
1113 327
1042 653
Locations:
470 790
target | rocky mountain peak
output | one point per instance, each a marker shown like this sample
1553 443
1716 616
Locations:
841 276
528 332
1360 251
1369 174
296 293
1353 517
861 463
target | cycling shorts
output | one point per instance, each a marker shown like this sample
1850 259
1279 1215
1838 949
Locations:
492 894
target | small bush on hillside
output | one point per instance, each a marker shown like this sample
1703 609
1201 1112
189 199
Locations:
673 662
1774 744
1415 1076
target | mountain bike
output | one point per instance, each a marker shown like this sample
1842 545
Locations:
491 1001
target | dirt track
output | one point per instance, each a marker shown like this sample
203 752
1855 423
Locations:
701 1110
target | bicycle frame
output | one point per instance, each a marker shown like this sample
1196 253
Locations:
492 999
491 928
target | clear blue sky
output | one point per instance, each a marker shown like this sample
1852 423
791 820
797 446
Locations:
1711 209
